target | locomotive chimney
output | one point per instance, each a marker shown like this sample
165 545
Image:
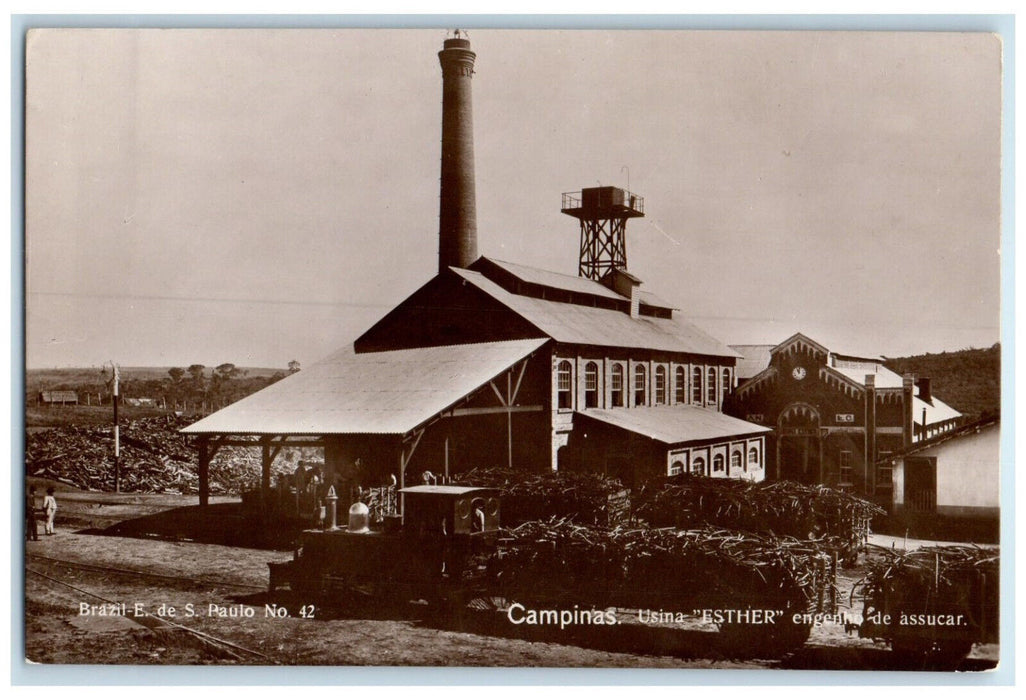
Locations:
457 216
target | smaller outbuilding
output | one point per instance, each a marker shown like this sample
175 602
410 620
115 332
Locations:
948 487
640 444
58 397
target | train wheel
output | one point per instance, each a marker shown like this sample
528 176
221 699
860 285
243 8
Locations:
307 588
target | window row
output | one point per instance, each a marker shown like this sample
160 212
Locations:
703 385
697 465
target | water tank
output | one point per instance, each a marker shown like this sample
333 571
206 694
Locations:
359 518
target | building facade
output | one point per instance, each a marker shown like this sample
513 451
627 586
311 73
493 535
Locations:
491 363
836 418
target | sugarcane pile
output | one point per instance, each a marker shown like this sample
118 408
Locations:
782 508
633 567
586 498
155 458
940 580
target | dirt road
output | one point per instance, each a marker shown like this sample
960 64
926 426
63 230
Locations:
219 592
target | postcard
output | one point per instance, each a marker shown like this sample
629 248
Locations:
513 348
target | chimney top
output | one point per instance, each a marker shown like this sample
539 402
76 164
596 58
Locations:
457 213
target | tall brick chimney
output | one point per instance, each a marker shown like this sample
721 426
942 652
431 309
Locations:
457 214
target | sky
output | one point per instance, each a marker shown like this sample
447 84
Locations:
261 196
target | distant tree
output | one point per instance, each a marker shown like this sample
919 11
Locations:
176 374
293 366
196 372
226 372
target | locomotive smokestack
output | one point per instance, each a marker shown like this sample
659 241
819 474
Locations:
457 217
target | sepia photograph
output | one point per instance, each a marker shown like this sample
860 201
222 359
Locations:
513 348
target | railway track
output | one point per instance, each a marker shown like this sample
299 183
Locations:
144 574
217 645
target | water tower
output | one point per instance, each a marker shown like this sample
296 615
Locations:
603 213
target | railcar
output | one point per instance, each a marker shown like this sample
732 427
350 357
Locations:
448 550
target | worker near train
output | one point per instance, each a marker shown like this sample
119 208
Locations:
31 511
50 508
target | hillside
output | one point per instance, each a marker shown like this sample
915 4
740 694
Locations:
969 380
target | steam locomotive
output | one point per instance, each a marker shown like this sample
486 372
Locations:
437 552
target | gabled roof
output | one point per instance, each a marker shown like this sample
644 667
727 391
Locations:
556 280
754 359
673 425
650 299
384 393
587 325
803 341
573 283
936 412
884 378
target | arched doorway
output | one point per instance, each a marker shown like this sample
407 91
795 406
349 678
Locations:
799 445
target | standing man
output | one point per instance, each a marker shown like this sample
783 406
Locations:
31 528
50 508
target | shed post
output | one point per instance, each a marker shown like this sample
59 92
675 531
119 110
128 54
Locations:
265 475
204 471
509 417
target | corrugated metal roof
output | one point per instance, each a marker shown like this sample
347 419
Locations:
675 424
547 278
754 359
587 325
885 378
368 393
650 299
937 413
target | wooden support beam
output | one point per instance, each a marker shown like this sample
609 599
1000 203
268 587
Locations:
204 471
265 475
236 442
498 393
405 455
509 419
457 412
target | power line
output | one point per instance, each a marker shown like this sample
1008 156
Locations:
216 300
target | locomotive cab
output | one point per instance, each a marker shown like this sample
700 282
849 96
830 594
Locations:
447 535
450 510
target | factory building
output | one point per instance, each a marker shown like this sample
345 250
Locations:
836 419
491 363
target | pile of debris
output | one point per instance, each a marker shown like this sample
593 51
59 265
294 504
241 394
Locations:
584 498
155 458
782 508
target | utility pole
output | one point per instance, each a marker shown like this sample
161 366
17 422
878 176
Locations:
117 436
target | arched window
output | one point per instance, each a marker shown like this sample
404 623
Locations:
735 459
565 384
616 386
718 463
680 391
676 468
726 383
696 386
710 386
639 386
590 385
698 465
660 385
753 457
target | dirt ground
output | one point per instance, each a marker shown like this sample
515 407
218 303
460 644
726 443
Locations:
220 592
